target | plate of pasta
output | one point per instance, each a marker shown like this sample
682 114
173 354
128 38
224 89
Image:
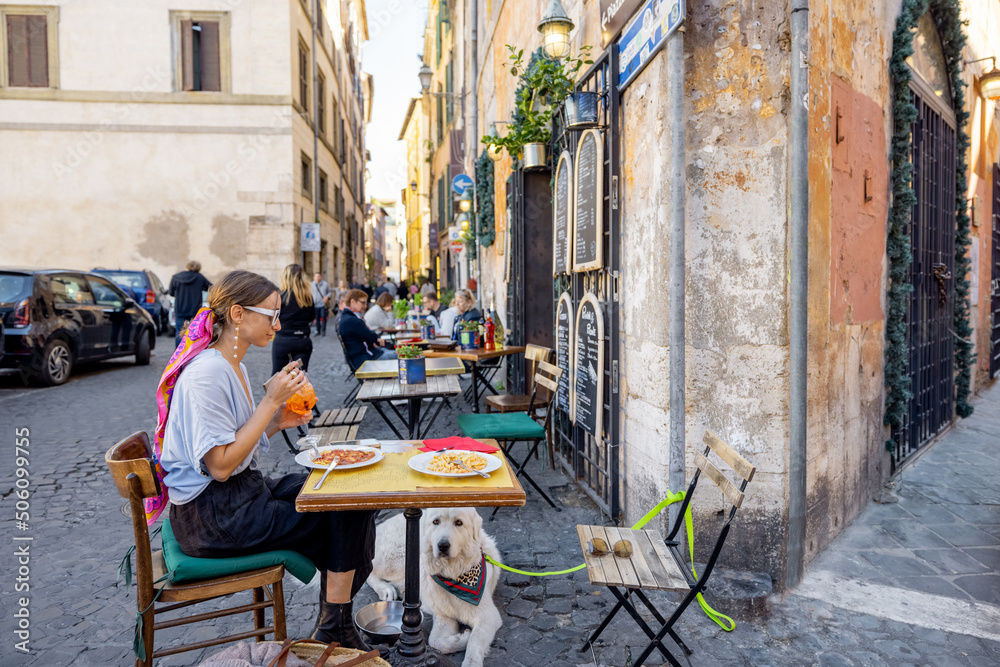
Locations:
444 464
350 457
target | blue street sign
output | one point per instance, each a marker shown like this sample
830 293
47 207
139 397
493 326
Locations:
647 33
460 183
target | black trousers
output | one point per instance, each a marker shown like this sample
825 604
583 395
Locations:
250 513
298 347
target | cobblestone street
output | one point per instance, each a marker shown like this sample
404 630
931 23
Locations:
910 583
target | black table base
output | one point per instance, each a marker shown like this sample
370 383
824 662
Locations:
416 425
411 650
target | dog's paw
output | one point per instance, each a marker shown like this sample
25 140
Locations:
383 589
472 661
451 643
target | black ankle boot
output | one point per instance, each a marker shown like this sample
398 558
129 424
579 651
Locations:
335 623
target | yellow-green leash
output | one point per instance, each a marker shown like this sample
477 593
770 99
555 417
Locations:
669 500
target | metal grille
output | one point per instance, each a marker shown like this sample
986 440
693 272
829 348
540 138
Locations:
594 462
995 278
929 317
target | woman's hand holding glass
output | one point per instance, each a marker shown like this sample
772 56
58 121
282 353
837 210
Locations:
285 384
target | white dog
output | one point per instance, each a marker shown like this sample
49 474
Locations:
452 545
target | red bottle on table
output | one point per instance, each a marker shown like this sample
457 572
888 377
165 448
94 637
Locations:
490 330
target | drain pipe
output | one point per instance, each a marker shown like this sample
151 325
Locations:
474 139
799 291
675 95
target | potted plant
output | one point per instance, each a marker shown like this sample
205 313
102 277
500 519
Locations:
412 365
545 82
399 309
468 335
426 328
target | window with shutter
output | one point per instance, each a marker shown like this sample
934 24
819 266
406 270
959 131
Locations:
449 82
321 109
336 128
201 56
27 50
304 77
306 176
322 190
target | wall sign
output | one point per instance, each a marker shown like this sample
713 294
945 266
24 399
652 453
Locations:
588 379
614 15
564 353
562 241
588 200
309 240
647 33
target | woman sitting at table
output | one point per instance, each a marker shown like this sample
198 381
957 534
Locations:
466 304
377 317
361 344
213 434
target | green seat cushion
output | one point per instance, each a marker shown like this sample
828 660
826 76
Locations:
510 426
189 568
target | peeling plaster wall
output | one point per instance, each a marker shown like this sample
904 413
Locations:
736 245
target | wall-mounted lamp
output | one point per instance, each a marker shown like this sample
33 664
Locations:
465 202
555 27
989 82
425 75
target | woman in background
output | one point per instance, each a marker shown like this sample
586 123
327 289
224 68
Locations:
292 341
378 316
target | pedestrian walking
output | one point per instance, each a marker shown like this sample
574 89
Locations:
188 289
321 302
390 287
211 435
292 340
427 288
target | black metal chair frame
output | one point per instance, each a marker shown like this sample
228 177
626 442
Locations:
352 396
695 585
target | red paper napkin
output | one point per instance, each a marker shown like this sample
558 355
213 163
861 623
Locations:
457 442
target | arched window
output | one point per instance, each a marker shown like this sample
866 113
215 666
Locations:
928 60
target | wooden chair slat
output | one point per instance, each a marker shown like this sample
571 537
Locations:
323 417
742 467
132 455
595 566
362 410
537 353
669 564
664 573
626 567
729 490
643 569
552 370
546 382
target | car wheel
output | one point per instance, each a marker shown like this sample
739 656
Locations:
142 349
57 362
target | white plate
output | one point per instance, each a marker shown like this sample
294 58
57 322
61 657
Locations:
305 458
422 460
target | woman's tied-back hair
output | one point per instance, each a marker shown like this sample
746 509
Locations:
293 281
238 288
384 299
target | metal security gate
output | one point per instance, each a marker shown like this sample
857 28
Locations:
930 313
995 279
594 461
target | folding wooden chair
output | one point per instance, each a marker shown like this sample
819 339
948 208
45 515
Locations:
653 563
513 427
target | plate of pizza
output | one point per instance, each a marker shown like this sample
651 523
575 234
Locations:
357 456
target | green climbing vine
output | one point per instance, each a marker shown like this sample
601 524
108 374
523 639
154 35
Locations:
897 379
485 223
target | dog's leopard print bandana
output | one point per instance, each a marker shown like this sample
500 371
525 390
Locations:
469 586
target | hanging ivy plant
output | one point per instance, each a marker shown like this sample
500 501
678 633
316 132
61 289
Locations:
897 378
485 223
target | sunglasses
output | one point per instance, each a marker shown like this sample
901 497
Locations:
273 314
597 547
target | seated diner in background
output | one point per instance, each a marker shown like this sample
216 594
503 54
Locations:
209 439
445 325
379 315
360 343
433 306
466 304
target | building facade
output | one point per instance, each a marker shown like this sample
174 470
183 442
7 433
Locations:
190 137
871 298
421 232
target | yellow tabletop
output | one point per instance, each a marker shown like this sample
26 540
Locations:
391 483
389 368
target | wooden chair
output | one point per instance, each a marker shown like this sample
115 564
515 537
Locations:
519 402
658 564
513 427
132 469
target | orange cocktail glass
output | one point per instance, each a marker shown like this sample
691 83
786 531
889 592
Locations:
302 401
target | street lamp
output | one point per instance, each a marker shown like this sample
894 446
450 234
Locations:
989 82
425 75
465 202
413 186
555 27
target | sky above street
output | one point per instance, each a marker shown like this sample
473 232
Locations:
391 56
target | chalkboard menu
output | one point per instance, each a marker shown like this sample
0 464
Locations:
562 214
589 366
588 223
564 353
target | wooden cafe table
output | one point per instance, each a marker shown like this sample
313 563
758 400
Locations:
475 358
380 393
392 484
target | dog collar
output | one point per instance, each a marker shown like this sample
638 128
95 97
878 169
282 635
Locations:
469 586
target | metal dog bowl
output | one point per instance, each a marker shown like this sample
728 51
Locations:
382 622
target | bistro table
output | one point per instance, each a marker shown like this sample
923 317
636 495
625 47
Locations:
382 392
393 334
475 359
389 368
392 484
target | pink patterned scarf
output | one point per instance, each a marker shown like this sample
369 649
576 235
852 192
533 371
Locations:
197 338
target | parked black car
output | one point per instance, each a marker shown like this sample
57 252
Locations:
54 318
145 287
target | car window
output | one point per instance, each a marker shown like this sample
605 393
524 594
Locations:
14 287
134 280
105 294
157 285
71 289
